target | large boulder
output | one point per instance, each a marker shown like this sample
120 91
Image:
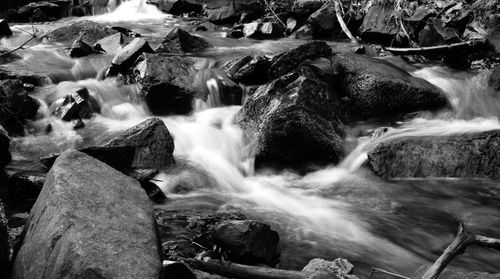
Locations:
179 7
90 221
44 11
87 30
128 55
179 41
460 155
247 241
289 60
166 83
16 106
226 10
293 120
147 145
379 24
378 88
336 269
324 21
4 243
305 8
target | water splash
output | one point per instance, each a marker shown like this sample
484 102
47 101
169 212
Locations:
131 10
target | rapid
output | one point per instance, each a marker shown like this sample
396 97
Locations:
337 211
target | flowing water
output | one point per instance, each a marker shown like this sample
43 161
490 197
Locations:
337 211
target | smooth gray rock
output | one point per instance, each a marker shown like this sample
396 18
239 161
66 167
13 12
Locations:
90 221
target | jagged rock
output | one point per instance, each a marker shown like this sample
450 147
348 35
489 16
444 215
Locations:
5 156
4 29
179 41
206 26
76 105
79 48
4 243
180 7
166 82
229 93
110 44
78 124
306 7
249 69
304 33
378 88
24 190
248 242
460 155
289 60
436 33
293 121
128 55
16 106
144 146
179 228
153 144
86 30
339 268
379 25
227 10
87 223
494 80
43 11
324 21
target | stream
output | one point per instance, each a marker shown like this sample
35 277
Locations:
337 211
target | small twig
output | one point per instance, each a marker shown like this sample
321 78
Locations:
19 47
272 11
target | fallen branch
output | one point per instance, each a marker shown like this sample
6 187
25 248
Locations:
233 270
463 239
33 36
275 15
436 49
374 270
338 13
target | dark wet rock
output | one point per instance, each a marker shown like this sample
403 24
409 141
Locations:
378 88
293 120
87 223
248 242
180 227
306 7
76 105
128 55
304 33
232 10
43 11
289 60
5 156
179 7
154 192
144 146
461 155
78 124
166 82
236 34
338 268
79 48
110 44
206 27
16 106
494 79
379 25
436 33
179 41
4 29
249 69
271 30
324 21
178 270
86 30
126 32
153 144
4 243
24 190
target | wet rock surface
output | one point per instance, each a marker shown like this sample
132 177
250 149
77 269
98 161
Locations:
87 30
85 200
16 106
462 155
179 41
